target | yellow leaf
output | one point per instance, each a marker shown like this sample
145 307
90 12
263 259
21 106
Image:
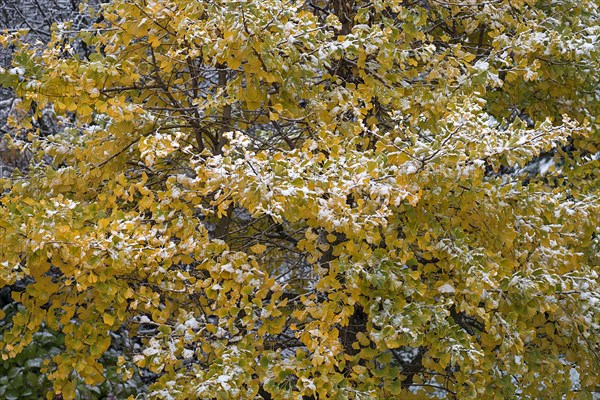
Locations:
84 110
146 202
108 319
258 248
234 63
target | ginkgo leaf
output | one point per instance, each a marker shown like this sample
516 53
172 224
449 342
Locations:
286 200
258 248
108 319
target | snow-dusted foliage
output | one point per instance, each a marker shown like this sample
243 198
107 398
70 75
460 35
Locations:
287 200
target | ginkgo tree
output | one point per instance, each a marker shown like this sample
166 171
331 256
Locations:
285 199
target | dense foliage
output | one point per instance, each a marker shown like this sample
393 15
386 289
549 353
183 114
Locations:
329 199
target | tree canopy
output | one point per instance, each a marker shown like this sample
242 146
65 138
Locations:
285 199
